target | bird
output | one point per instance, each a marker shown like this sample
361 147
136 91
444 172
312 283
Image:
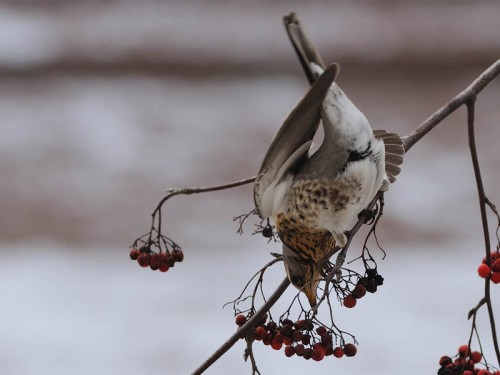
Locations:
313 197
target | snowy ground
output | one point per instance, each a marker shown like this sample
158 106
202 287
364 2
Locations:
104 114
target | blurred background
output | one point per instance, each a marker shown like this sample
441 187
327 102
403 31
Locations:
106 104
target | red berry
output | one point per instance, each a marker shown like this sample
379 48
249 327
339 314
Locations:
496 266
287 322
467 372
134 254
163 268
299 350
495 277
289 351
483 270
463 350
307 353
306 339
483 372
178 255
276 345
326 339
321 330
143 260
338 352
349 301
271 326
318 354
240 319
299 324
279 337
350 350
476 357
267 340
444 360
297 336
359 291
260 333
319 346
154 261
287 341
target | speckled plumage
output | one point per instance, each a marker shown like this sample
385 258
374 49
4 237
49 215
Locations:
314 198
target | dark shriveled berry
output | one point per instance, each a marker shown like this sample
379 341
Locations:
444 360
299 350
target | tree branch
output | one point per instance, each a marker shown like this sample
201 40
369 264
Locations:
484 217
470 92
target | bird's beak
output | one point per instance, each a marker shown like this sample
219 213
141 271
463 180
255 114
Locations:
310 292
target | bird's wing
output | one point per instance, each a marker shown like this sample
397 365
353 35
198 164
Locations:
289 143
394 152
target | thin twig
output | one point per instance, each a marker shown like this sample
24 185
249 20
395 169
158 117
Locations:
484 218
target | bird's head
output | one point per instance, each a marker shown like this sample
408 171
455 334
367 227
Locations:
303 274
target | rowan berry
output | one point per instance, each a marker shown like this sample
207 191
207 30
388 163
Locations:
483 371
287 341
289 351
496 266
359 291
306 339
307 353
154 262
495 277
271 326
287 322
276 345
143 260
463 350
476 357
240 319
279 337
163 268
297 336
444 360
350 350
349 301
317 354
467 372
177 255
321 330
299 350
483 270
260 333
338 352
134 254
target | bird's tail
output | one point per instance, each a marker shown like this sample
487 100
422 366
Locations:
303 47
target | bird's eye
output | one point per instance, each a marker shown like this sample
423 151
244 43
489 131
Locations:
295 280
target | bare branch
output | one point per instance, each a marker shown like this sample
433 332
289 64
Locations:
241 333
484 217
466 95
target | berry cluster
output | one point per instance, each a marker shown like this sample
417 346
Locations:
464 363
157 261
369 283
299 338
490 270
